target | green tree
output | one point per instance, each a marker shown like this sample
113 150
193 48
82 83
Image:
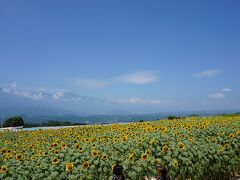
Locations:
193 115
14 121
172 117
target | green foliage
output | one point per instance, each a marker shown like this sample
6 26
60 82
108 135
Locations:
56 123
14 121
193 115
52 123
174 117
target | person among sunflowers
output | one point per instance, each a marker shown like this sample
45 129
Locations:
118 172
161 173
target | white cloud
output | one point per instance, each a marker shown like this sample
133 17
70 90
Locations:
207 73
6 90
36 95
134 100
40 93
58 95
10 88
90 83
13 85
226 90
141 101
217 96
143 77
66 96
50 90
220 95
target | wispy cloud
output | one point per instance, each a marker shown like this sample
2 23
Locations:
226 90
90 83
40 93
207 73
217 96
134 101
143 77
221 94
50 90
141 101
21 92
13 85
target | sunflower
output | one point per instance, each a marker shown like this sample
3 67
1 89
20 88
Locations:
6 157
40 153
94 146
165 148
87 140
226 146
18 157
149 151
238 133
144 156
94 153
56 140
181 146
69 167
3 169
55 161
63 146
124 138
56 152
3 150
104 157
155 162
85 164
131 157
222 149
54 144
77 146
231 135
175 163
81 149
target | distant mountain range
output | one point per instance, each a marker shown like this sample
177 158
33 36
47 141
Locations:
44 105
14 100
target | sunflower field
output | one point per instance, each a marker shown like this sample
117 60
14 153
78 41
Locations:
191 148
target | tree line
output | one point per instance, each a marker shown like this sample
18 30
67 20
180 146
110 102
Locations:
19 121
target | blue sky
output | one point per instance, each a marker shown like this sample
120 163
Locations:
174 55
